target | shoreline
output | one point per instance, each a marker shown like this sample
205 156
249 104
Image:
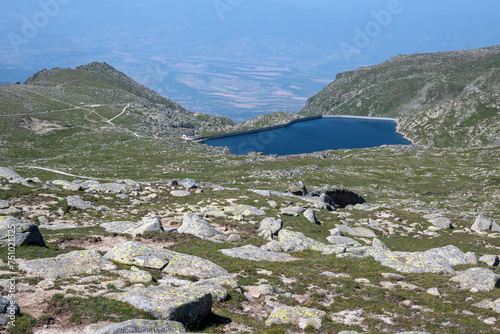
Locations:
232 134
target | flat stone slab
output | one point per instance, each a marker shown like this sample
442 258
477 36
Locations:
188 305
151 224
136 253
86 262
301 316
138 326
180 193
19 232
253 253
478 279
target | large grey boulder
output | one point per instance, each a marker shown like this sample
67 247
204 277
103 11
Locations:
293 211
291 241
66 185
115 188
489 304
193 224
311 216
188 305
297 188
450 253
340 240
8 310
269 227
250 252
300 316
478 279
4 204
86 262
138 326
19 232
483 223
9 174
78 203
136 253
148 223
438 220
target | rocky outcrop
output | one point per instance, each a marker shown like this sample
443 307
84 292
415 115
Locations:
138 326
194 225
301 316
483 223
254 253
19 232
478 279
86 262
147 224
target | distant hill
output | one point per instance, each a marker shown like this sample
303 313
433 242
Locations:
442 99
96 97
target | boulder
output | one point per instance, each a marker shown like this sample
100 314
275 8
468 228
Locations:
77 202
261 290
180 193
148 223
86 262
293 211
489 304
491 260
138 326
9 174
111 188
269 227
188 305
4 204
234 210
301 316
450 253
483 223
135 275
71 186
19 232
296 241
311 216
297 188
438 220
193 224
250 252
340 240
7 309
478 279
188 183
136 253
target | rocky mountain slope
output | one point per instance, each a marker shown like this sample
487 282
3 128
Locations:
96 96
443 99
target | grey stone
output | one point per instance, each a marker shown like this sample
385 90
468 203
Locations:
478 279
483 223
438 220
379 245
391 276
270 227
265 193
273 246
7 308
193 224
19 232
293 211
135 253
250 252
489 304
301 316
491 260
149 223
234 238
311 216
88 262
297 188
340 240
471 258
4 204
188 183
66 185
8 174
451 253
78 203
111 188
180 193
261 290
296 241
138 326
136 276
188 305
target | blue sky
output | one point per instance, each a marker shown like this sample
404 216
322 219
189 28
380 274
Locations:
235 57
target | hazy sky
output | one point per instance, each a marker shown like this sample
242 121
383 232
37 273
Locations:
308 39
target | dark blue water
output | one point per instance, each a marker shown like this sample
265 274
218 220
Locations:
315 135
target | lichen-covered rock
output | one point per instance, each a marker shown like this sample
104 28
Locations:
269 227
135 275
111 188
180 193
451 253
138 326
438 220
293 211
135 253
9 174
340 240
483 223
188 305
78 203
301 316
489 304
148 223
194 225
297 188
296 241
250 252
416 262
311 216
19 232
478 279
260 290
86 262
71 186
491 260
4 204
